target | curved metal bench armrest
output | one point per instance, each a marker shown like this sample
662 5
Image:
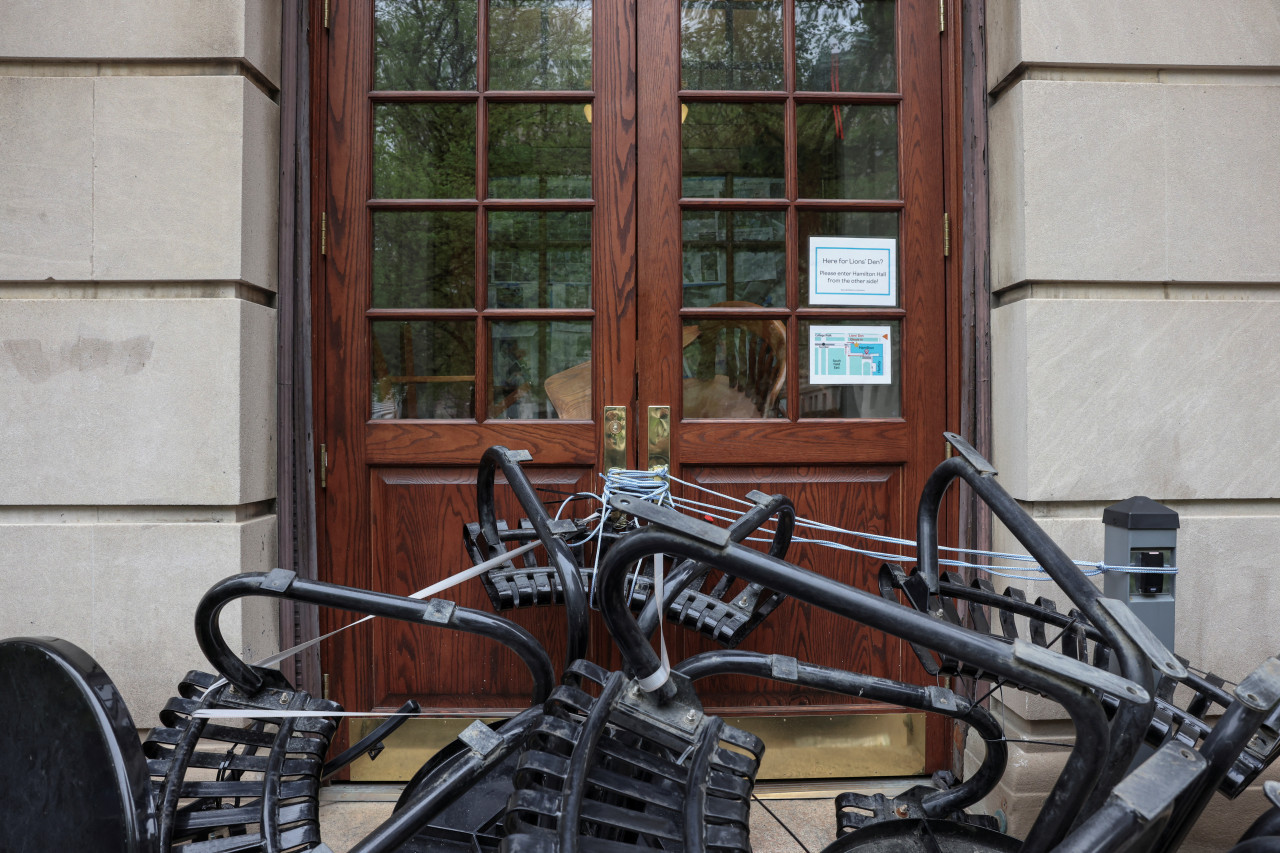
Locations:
280 583
575 595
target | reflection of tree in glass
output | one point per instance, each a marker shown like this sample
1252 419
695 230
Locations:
423 259
855 157
734 150
425 44
540 44
424 151
731 44
539 151
845 46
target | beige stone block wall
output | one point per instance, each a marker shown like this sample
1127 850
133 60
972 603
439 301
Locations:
151 179
46 178
1133 176
156 402
1115 182
123 585
131 30
1100 398
1132 34
139 169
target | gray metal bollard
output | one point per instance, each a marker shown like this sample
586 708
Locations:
1141 532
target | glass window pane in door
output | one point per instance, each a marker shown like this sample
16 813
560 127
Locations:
424 151
735 257
539 151
424 259
423 369
858 374
733 151
541 369
734 368
731 44
539 44
847 151
845 46
539 260
859 223
424 45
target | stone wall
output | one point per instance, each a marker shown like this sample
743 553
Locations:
1135 183
138 202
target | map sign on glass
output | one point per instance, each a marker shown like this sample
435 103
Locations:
850 355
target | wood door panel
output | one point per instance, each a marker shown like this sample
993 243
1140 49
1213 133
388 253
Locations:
416 530
780 442
451 443
862 498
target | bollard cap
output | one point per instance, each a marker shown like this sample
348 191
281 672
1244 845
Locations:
1140 513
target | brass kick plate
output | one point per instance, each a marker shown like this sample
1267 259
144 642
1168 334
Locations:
808 747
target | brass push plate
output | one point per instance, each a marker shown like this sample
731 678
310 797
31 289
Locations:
615 437
658 453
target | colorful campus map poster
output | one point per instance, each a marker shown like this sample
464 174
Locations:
850 355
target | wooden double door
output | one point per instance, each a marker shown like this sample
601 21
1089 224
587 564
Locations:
535 209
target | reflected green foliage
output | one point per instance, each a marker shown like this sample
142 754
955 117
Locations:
539 44
852 401
840 224
424 259
423 369
424 151
539 151
731 44
733 151
524 354
539 260
734 257
424 45
845 46
847 152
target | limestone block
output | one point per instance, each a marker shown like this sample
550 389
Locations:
185 180
1143 33
1224 168
160 402
126 593
1007 189
144 29
1134 182
1091 190
1136 396
46 178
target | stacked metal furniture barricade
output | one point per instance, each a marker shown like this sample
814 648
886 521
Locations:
615 762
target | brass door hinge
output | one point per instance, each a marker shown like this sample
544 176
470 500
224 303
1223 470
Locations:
324 234
324 467
326 14
942 15
325 682
946 235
